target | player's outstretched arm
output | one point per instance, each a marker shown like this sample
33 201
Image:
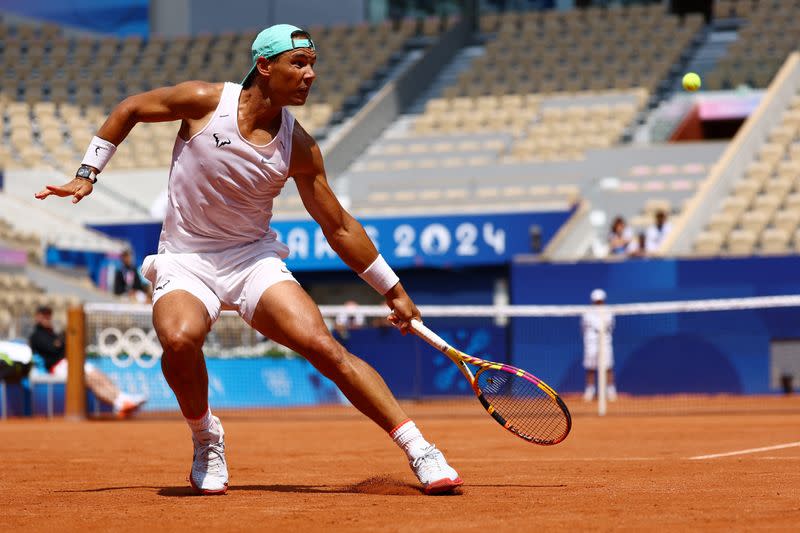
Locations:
344 233
190 102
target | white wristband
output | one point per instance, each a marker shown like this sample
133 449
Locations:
99 153
380 275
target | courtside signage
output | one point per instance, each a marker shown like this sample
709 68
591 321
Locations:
443 241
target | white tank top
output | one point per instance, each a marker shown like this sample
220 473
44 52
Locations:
221 186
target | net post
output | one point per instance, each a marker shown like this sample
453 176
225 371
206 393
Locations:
75 349
602 366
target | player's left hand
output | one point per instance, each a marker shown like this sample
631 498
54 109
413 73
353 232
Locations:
77 188
403 309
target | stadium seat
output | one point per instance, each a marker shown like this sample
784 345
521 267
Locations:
746 189
735 206
755 221
720 222
741 242
774 241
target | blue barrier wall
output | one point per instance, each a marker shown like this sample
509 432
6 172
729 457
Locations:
654 279
665 353
237 383
413 369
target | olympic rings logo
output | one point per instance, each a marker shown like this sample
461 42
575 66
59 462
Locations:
132 345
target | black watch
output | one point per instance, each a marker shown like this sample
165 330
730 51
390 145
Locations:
87 173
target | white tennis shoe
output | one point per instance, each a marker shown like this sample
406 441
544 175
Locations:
434 473
209 473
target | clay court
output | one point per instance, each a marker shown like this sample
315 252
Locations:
329 469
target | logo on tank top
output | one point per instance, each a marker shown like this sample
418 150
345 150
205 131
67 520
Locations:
220 142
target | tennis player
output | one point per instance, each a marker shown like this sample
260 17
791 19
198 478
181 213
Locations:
236 147
594 323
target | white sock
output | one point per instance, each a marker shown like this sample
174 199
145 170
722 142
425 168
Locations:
204 423
408 437
120 400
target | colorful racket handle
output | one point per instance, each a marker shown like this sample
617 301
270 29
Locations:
429 336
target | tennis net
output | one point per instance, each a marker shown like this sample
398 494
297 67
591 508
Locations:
727 355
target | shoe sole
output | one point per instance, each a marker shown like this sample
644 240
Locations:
442 486
207 492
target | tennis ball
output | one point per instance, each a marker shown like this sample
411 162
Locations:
691 81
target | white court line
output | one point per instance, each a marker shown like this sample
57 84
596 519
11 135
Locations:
744 452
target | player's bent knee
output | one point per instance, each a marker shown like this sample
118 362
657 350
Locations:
327 355
180 341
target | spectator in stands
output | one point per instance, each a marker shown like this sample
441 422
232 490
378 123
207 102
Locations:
657 232
51 345
598 326
128 281
637 247
620 237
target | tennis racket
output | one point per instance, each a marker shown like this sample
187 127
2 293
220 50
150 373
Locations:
519 401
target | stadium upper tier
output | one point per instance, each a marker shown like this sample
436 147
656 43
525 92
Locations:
540 127
56 91
579 49
767 35
762 213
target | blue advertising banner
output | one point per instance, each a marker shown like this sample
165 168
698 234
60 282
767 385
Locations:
236 383
120 17
434 241
441 241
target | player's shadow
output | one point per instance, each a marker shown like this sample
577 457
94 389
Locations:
382 486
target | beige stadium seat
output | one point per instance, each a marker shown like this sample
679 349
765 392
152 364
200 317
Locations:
437 105
779 187
794 151
759 170
720 222
767 203
708 243
787 219
789 170
783 134
791 118
741 242
792 201
754 221
775 241
734 205
771 153
746 188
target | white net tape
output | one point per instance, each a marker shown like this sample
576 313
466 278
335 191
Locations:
685 306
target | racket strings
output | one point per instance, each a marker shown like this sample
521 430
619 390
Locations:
528 410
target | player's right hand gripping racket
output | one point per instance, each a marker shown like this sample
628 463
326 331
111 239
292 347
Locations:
516 399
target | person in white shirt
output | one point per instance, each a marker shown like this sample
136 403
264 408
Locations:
594 323
657 232
237 145
620 237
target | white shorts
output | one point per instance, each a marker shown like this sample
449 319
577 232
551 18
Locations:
590 359
60 369
232 279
